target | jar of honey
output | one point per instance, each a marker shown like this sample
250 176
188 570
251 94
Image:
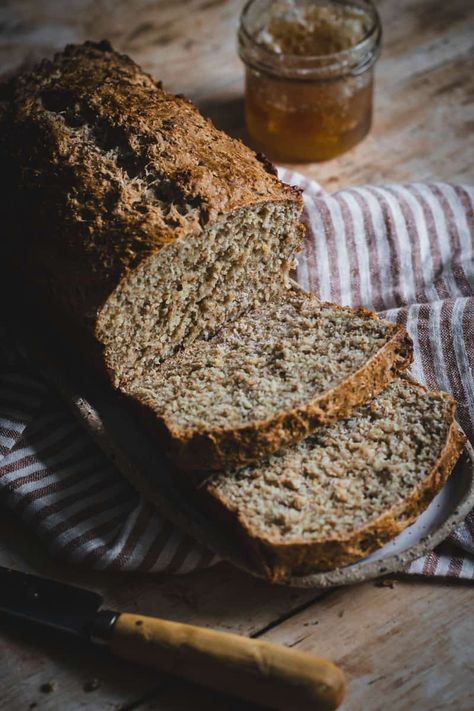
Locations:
309 75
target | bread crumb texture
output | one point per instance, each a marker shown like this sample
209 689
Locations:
344 476
275 358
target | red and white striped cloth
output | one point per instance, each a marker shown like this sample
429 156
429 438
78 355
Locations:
405 251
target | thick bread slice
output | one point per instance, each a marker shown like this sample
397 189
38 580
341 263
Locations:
268 380
138 223
348 489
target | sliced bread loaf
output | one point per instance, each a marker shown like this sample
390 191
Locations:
137 221
268 380
348 489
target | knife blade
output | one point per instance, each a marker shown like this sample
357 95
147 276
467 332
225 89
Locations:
260 672
48 602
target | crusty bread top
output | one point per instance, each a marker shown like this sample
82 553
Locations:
107 165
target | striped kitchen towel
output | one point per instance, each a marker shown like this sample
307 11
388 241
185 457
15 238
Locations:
405 251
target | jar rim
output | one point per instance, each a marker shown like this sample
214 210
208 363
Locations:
355 59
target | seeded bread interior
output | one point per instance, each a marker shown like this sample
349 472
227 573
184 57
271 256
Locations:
268 379
346 490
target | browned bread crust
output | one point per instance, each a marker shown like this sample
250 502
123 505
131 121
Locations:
226 447
101 169
279 560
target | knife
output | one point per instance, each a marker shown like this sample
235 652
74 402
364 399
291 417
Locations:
260 672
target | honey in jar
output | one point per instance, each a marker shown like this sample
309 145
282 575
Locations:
309 75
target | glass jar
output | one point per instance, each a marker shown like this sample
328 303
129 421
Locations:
309 75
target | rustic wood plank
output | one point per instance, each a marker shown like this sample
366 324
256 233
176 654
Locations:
402 646
410 644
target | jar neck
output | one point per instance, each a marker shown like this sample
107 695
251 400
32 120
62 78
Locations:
352 61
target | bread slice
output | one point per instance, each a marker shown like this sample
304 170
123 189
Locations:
345 491
140 225
268 380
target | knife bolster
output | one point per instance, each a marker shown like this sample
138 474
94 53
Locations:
102 627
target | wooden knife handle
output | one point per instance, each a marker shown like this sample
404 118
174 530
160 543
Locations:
267 674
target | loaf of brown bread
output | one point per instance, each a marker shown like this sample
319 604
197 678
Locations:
148 231
140 221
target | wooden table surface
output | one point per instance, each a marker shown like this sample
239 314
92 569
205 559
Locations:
406 645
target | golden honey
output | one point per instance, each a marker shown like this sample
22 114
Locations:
309 75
